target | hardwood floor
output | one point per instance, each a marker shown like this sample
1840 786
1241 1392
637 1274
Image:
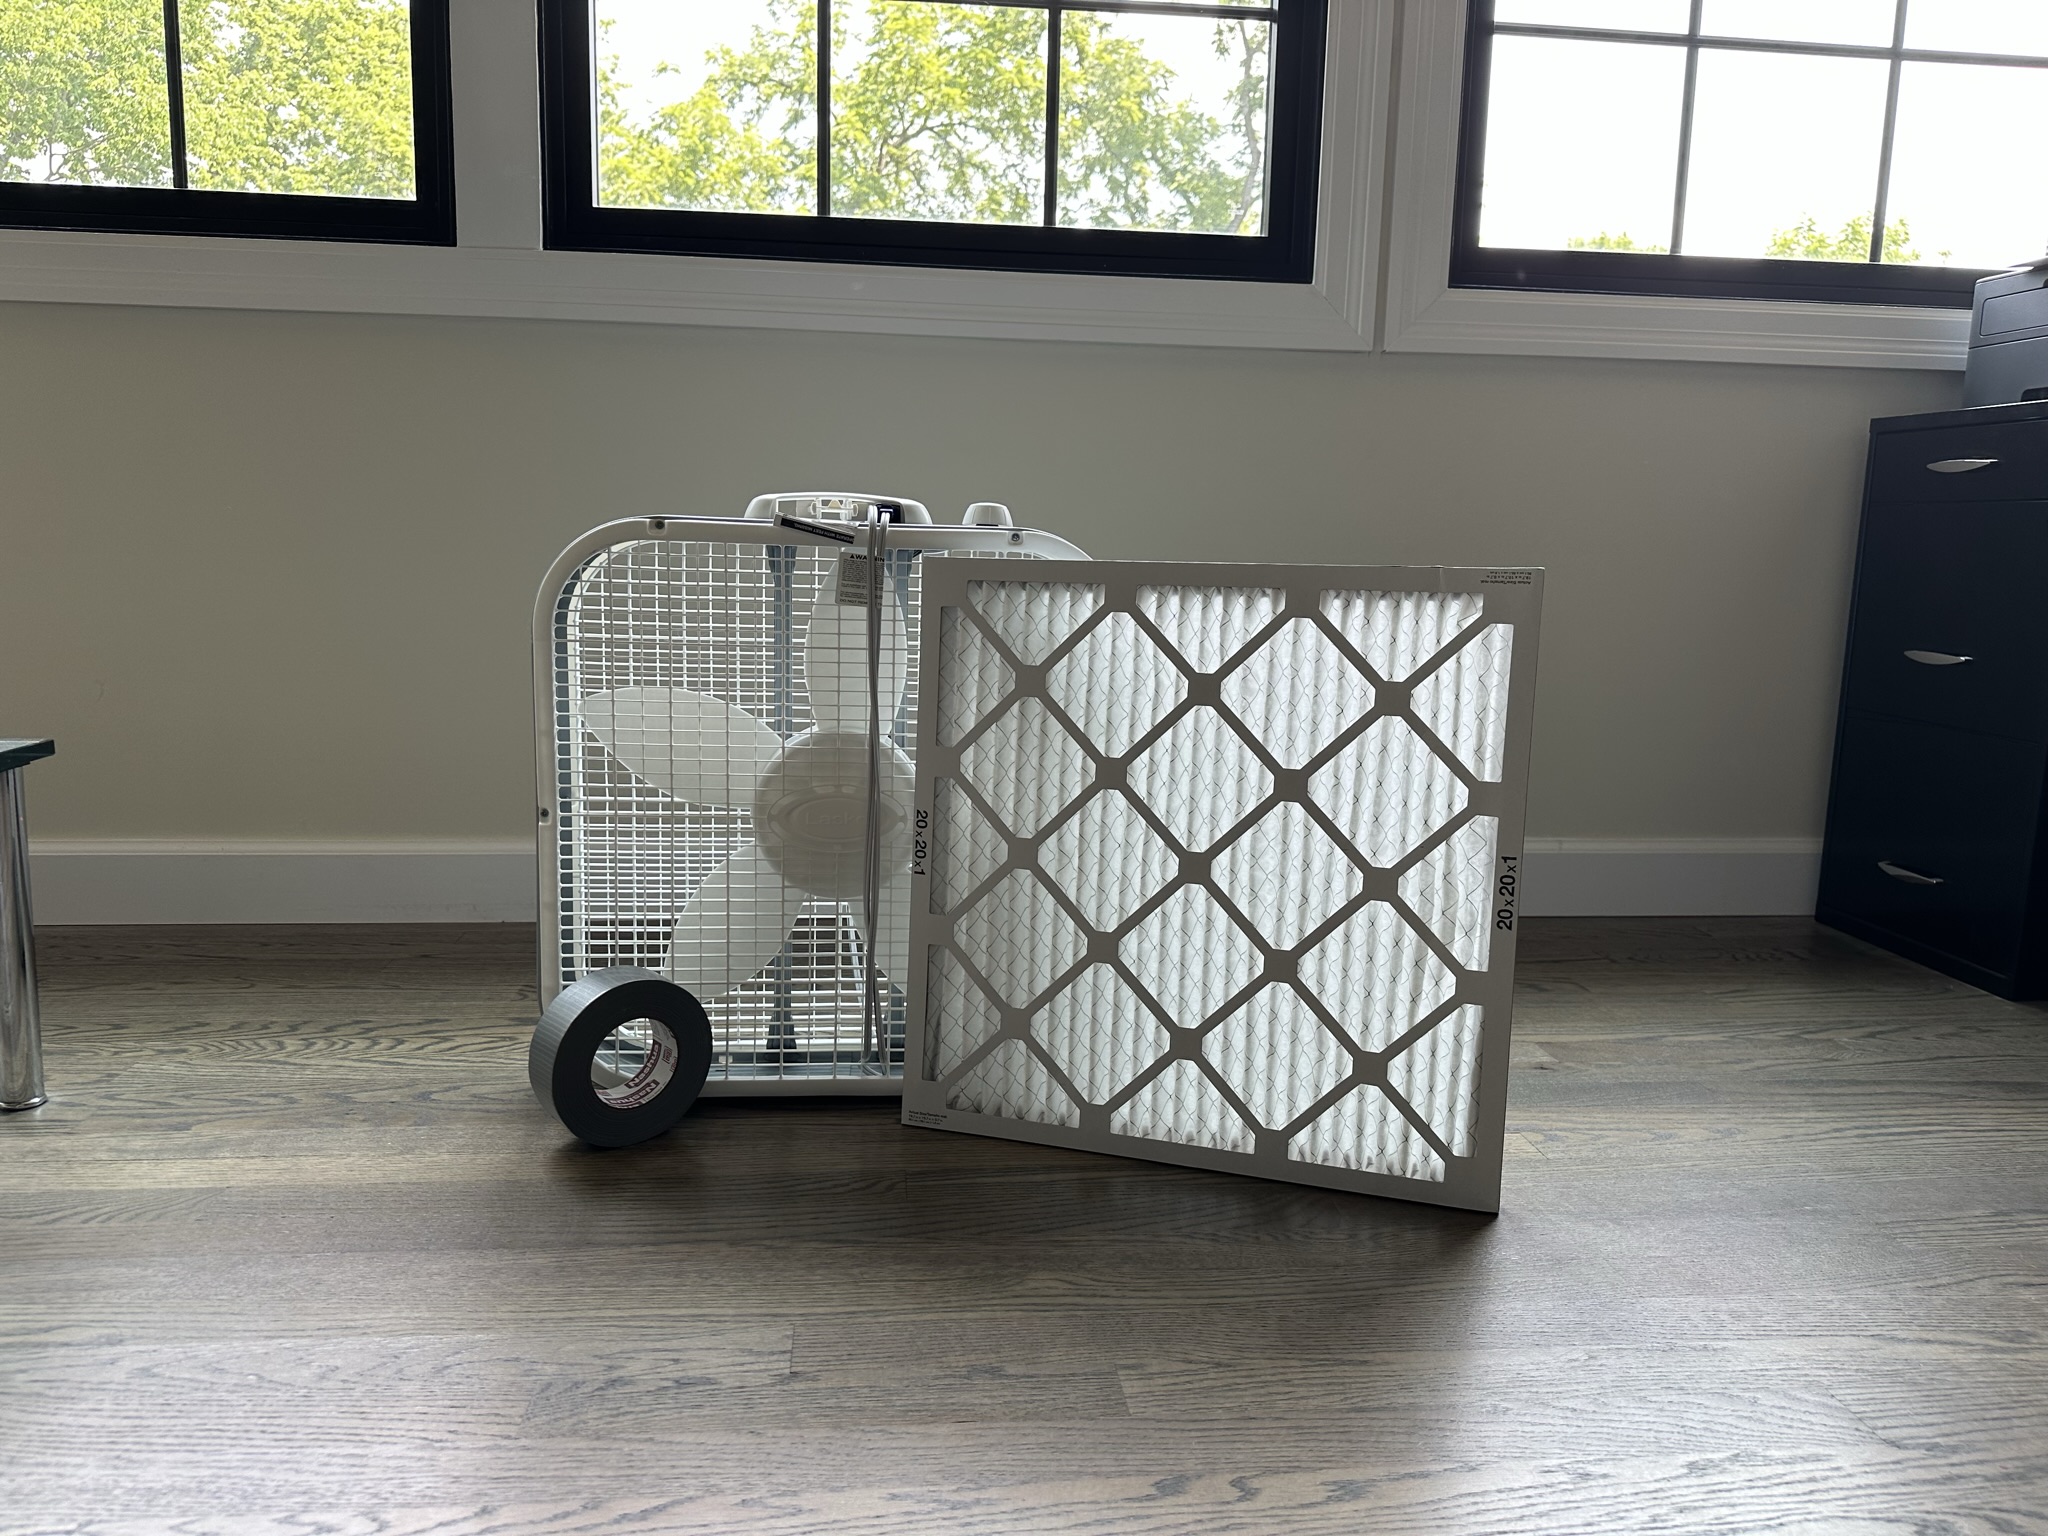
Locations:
292 1249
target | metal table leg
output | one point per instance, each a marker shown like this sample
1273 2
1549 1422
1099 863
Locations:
21 1034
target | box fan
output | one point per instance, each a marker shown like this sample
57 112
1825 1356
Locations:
727 713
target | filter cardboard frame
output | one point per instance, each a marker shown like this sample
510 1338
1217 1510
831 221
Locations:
960 920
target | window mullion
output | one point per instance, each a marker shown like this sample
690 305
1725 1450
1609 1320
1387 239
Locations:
1880 210
825 108
174 81
1053 44
1683 185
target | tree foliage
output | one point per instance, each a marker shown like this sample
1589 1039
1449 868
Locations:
280 95
942 115
82 94
1621 242
299 96
1807 241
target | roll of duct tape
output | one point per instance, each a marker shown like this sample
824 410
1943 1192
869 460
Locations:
620 1056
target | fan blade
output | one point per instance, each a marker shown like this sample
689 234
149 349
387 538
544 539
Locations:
689 745
734 925
836 658
892 950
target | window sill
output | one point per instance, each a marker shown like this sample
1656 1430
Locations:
496 269
1425 314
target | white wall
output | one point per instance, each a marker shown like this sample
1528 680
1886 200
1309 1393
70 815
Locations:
269 577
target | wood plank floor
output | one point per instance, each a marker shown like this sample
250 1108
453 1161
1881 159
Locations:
292 1250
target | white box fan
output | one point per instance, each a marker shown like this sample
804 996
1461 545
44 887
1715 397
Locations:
706 692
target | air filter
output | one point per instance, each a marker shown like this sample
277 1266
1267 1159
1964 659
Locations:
703 698
1218 865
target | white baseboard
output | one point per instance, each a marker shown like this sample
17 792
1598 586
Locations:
426 881
1680 877
93 882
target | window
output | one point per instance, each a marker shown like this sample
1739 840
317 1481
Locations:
1872 151
316 119
1157 137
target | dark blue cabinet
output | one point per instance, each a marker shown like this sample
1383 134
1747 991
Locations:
1935 835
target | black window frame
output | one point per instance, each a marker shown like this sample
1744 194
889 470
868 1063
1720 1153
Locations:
1284 254
428 218
1680 275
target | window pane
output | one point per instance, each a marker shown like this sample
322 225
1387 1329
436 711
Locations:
1868 22
1785 156
1163 122
310 96
707 106
1581 145
1979 26
1621 15
938 112
83 98
1951 203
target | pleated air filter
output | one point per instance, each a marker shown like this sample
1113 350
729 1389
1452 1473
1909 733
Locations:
1218 865
703 700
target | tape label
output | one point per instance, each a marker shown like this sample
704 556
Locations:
856 580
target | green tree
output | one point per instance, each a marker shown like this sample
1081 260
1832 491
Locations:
82 93
299 96
1807 241
943 117
280 95
1621 242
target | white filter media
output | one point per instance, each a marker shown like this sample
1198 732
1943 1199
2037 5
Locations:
1221 865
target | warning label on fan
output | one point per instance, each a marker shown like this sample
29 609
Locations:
856 580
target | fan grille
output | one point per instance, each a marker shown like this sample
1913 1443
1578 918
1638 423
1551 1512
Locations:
722 619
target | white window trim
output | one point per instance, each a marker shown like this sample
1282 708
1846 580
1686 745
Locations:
1425 314
499 269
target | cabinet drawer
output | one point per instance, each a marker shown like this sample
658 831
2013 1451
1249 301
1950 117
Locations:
1940 583
2006 462
1931 835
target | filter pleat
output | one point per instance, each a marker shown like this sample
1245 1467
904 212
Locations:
1200 778
1452 890
1388 792
1100 1034
1287 876
969 850
1377 977
959 1018
1182 1105
1108 860
1012 1083
1435 1075
1190 955
1209 625
980 678
988 936
1398 632
1031 617
1027 768
1116 685
1465 702
1297 692
1278 1056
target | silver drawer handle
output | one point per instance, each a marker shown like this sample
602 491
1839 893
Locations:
1939 659
1960 466
1910 876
